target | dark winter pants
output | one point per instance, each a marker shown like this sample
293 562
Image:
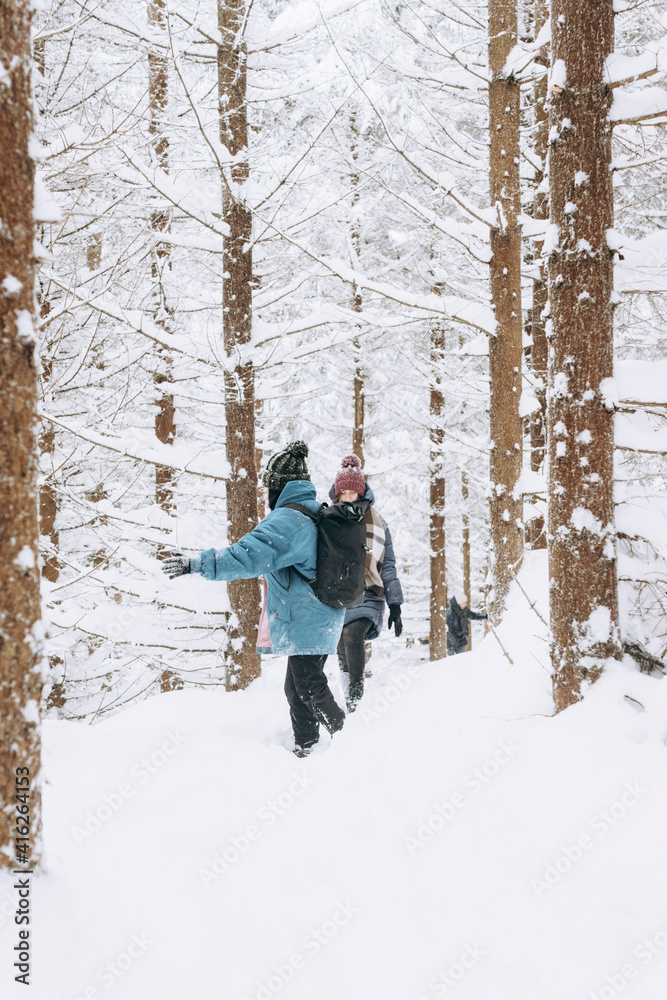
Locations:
452 650
310 700
352 657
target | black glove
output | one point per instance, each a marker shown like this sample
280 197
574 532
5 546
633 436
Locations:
176 565
395 619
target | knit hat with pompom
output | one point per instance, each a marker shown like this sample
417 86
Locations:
285 466
350 477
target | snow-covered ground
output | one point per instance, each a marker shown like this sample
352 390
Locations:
454 839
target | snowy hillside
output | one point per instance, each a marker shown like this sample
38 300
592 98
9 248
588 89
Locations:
453 838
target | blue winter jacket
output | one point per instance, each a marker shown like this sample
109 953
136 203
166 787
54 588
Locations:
374 604
283 549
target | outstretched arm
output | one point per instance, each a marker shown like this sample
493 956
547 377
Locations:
268 547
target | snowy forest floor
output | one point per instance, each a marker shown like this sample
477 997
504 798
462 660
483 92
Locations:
453 839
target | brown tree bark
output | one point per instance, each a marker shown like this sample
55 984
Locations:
165 417
466 549
359 380
20 612
536 536
94 252
505 347
582 559
438 609
242 662
48 498
259 458
359 402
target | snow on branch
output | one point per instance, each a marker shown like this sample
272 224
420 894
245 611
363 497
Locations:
189 199
469 313
445 182
474 240
643 267
620 69
134 319
631 109
154 454
294 22
638 432
524 63
642 382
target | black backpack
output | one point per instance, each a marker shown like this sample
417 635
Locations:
341 553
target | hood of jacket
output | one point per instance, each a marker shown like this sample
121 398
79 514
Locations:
298 491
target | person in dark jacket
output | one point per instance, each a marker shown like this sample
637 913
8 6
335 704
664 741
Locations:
382 585
458 618
283 549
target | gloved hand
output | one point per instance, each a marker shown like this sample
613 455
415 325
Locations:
395 619
176 565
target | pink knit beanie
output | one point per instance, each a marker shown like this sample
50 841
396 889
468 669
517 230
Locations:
350 477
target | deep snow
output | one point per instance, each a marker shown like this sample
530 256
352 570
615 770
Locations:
452 840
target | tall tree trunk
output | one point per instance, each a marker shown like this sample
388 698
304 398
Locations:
505 348
359 401
259 457
466 549
48 498
537 323
158 92
438 630
359 380
94 252
93 263
582 559
20 611
165 416
243 663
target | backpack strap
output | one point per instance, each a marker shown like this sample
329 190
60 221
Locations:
313 515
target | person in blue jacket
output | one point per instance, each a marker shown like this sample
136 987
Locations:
381 584
283 549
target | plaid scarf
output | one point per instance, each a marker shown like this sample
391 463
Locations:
375 543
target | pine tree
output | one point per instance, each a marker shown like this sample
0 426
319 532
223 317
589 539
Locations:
355 239
158 92
505 347
243 663
438 487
